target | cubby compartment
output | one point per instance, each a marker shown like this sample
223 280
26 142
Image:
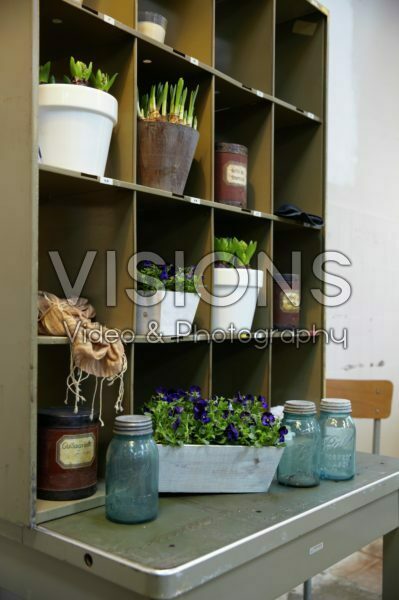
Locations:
243 118
66 31
176 365
190 25
154 66
298 162
94 225
249 228
240 366
297 370
53 370
244 41
179 232
307 243
300 55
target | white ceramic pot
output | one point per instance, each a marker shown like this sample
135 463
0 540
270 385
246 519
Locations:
75 127
167 309
235 294
193 469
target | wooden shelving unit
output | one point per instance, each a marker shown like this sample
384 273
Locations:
261 66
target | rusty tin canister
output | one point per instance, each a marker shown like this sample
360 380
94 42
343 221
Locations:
231 167
287 303
67 454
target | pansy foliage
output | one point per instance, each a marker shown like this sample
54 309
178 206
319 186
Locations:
186 417
152 277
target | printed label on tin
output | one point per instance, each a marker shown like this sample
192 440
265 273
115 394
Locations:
290 302
235 174
76 451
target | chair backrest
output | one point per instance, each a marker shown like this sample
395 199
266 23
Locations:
371 399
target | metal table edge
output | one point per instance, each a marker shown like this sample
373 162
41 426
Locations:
164 584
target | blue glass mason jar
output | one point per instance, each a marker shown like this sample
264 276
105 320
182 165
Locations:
300 463
338 440
132 471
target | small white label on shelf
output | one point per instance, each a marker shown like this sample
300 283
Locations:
194 61
109 20
315 549
310 115
195 200
257 213
107 180
259 93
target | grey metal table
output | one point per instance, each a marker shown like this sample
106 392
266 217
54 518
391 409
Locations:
252 547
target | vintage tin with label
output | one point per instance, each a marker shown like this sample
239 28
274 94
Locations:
67 454
231 167
287 301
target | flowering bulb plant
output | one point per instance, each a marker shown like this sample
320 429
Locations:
234 253
154 277
168 103
81 74
185 417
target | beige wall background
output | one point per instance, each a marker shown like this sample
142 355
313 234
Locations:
363 196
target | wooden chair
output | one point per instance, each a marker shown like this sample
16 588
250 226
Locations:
371 399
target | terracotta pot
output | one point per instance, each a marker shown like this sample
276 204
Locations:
165 154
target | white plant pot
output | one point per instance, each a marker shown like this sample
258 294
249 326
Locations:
75 127
193 469
235 293
167 309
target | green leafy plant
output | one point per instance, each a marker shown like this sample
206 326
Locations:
44 73
166 102
102 81
185 417
232 252
154 277
80 72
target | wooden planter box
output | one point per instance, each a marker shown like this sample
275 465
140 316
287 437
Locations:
194 469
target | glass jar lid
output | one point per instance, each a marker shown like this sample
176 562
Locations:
300 407
336 405
133 425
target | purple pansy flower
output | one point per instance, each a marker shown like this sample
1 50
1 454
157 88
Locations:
176 410
200 406
239 398
164 273
204 417
195 391
262 400
231 433
146 264
268 419
176 423
161 392
283 431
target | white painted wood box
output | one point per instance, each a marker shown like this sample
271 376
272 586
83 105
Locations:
198 469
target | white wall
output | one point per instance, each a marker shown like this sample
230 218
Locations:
363 195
